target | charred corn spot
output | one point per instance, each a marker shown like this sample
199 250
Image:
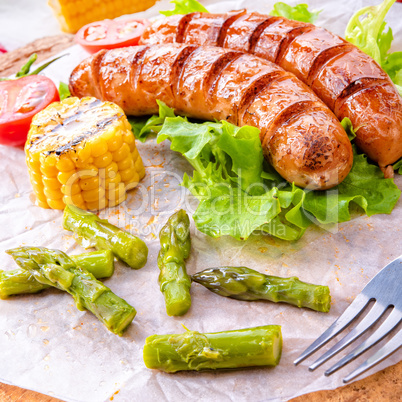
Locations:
81 151
74 14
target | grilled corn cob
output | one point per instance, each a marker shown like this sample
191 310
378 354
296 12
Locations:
74 14
82 152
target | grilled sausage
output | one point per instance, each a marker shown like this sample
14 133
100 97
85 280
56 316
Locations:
349 81
300 136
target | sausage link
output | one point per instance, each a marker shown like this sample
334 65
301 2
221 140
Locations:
349 81
300 136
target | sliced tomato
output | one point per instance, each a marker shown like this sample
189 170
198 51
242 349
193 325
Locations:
109 34
20 100
2 49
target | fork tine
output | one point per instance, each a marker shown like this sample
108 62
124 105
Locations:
386 327
370 319
349 315
390 347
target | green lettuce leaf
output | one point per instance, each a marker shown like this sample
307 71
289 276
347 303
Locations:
366 29
185 7
240 193
398 166
299 12
144 126
64 92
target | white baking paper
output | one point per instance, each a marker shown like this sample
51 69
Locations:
47 345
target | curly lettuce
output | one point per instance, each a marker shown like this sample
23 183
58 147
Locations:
240 193
299 12
185 7
367 30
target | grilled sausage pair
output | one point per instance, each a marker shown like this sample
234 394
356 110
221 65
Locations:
300 136
349 81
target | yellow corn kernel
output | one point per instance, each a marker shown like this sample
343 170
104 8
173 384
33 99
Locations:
64 177
49 171
126 163
129 140
111 170
113 180
85 162
139 167
51 182
127 174
100 204
115 143
55 204
98 148
93 195
121 153
42 204
90 183
76 199
72 189
65 164
52 194
73 14
103 160
135 154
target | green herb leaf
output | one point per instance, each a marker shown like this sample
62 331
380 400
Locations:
366 30
398 166
185 7
64 92
299 12
347 125
144 126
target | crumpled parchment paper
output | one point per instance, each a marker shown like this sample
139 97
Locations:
47 345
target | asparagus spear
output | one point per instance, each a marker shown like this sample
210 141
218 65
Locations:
54 268
19 281
259 346
90 230
246 284
175 248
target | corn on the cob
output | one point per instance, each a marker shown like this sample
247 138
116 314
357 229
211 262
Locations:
82 152
74 14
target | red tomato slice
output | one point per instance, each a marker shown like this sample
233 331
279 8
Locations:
20 100
2 49
109 34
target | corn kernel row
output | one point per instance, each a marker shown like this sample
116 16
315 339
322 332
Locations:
95 172
74 14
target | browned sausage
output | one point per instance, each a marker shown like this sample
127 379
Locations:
350 82
300 136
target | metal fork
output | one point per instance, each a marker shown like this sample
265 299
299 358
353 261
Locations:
385 289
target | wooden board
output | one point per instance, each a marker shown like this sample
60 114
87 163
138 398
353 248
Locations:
386 385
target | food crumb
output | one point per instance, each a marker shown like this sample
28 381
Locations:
44 328
112 397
